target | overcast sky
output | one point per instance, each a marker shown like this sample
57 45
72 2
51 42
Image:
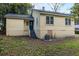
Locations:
64 9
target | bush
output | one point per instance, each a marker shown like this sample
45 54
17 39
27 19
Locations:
47 37
1 49
76 32
1 39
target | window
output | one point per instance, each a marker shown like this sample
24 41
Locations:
67 21
49 20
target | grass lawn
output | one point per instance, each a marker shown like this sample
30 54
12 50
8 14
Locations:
25 46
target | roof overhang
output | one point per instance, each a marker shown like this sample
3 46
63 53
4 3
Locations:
44 12
16 16
54 14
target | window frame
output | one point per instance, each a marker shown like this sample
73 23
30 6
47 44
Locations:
68 21
50 20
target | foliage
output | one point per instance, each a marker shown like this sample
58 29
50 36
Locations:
1 49
20 8
75 9
56 6
16 8
76 32
75 12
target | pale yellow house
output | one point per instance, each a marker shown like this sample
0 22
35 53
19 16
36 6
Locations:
40 23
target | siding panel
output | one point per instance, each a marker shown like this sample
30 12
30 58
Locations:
14 27
59 29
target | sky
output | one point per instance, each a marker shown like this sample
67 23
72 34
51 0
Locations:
63 9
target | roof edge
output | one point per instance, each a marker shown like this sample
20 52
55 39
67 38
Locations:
51 12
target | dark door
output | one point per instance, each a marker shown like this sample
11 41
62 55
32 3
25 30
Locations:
32 32
31 25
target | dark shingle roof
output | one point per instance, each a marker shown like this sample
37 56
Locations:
54 13
17 16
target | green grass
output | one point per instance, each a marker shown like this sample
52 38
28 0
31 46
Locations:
23 46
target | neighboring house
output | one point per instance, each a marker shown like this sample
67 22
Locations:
41 22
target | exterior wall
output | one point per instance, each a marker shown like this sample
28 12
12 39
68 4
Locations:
15 27
59 29
36 16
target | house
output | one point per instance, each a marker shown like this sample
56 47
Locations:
40 23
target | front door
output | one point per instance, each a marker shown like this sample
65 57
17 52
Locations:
31 25
32 32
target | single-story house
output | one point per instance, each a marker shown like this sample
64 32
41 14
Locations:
40 23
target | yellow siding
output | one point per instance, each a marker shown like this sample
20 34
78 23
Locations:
59 29
15 27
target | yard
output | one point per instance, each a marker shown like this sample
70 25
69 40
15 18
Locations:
24 46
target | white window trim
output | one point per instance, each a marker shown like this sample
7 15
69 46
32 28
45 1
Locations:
68 22
50 20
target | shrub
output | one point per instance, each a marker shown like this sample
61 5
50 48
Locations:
76 32
1 49
47 37
1 39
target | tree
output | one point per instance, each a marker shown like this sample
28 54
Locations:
20 8
75 12
56 6
14 8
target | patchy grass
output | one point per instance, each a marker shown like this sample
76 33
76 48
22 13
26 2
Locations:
26 46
